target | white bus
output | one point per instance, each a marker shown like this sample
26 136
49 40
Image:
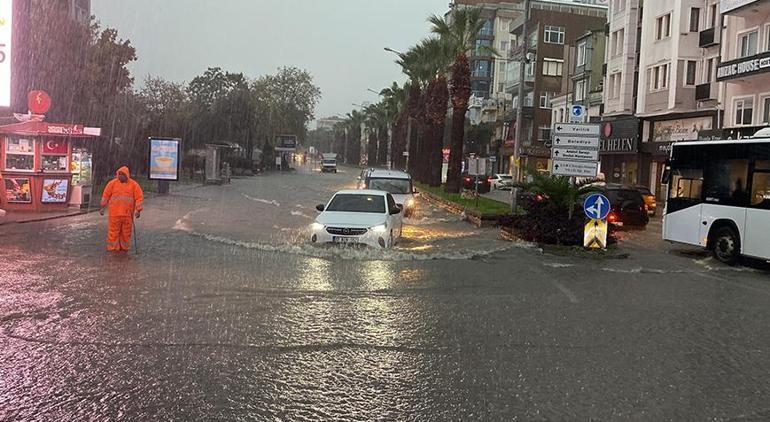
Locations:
719 197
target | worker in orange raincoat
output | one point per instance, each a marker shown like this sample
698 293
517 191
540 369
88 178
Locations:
124 197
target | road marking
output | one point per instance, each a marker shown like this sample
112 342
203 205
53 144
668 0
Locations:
734 283
567 292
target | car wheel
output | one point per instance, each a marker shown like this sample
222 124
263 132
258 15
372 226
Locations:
726 246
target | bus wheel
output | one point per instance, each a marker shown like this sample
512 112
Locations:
726 246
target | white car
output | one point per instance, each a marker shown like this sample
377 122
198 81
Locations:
364 217
502 181
397 183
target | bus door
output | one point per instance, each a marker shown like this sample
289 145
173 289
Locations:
757 239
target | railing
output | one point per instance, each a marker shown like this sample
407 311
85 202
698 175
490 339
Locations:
703 92
708 38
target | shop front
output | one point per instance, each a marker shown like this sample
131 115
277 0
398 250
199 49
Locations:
662 134
620 161
536 158
45 166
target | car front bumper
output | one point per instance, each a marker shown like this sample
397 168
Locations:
370 238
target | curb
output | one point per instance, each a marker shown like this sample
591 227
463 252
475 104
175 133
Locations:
48 218
472 217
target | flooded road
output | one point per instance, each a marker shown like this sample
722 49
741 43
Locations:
227 313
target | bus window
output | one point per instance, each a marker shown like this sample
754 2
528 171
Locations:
687 184
760 190
726 182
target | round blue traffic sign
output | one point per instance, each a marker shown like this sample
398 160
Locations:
596 206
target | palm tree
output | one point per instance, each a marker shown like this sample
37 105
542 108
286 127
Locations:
426 64
394 101
459 33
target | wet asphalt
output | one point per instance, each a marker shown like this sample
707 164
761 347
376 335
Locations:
226 312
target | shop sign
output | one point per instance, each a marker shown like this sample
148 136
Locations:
620 136
680 129
730 5
710 135
743 67
657 148
164 158
55 191
17 190
286 143
6 48
62 129
535 151
38 102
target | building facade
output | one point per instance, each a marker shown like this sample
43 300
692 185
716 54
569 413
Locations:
668 76
745 67
552 25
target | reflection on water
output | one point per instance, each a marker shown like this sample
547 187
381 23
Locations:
315 275
378 275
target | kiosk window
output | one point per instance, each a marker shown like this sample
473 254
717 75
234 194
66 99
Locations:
760 190
19 154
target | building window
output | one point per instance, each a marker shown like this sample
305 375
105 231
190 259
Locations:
501 87
502 67
659 77
766 110
619 5
767 37
480 88
580 90
617 41
482 69
747 43
714 15
708 71
695 19
545 99
486 30
581 54
483 47
691 72
20 154
544 133
554 34
744 111
663 27
614 85
553 67
504 45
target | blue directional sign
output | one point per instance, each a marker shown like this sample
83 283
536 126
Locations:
596 206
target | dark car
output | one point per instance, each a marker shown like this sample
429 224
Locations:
627 206
484 183
649 199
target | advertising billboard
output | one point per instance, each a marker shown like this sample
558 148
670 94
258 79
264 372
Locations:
165 158
17 190
6 36
55 191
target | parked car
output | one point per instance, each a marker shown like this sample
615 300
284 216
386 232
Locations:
362 217
627 206
502 181
484 183
396 183
649 199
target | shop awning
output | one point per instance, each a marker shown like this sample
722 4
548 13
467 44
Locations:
64 130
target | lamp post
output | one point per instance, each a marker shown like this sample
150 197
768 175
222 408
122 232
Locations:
523 49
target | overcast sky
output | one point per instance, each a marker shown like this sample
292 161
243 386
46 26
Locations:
339 41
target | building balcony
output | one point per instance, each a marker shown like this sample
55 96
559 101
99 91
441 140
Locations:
704 92
708 38
481 74
738 8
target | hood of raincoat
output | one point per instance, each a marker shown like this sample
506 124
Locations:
125 171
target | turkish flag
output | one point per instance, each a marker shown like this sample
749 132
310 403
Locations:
52 146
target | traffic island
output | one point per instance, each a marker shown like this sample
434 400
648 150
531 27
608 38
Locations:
481 212
510 233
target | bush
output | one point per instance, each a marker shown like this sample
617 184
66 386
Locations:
548 222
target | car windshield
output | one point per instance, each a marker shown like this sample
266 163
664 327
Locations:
357 203
397 186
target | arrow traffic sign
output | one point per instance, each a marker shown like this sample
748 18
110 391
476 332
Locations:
575 168
575 142
566 153
577 129
595 234
596 206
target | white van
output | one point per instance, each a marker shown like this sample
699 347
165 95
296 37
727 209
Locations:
396 183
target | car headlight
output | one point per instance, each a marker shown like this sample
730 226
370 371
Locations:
317 226
379 229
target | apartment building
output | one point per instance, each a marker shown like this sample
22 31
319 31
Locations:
669 72
552 25
745 67
584 84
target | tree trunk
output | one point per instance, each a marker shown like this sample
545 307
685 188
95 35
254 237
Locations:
371 148
436 108
461 92
382 145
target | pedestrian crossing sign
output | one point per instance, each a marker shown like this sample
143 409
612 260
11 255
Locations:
595 234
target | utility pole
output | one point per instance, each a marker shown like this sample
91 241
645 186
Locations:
523 50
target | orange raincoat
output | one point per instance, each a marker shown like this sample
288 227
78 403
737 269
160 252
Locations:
124 199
